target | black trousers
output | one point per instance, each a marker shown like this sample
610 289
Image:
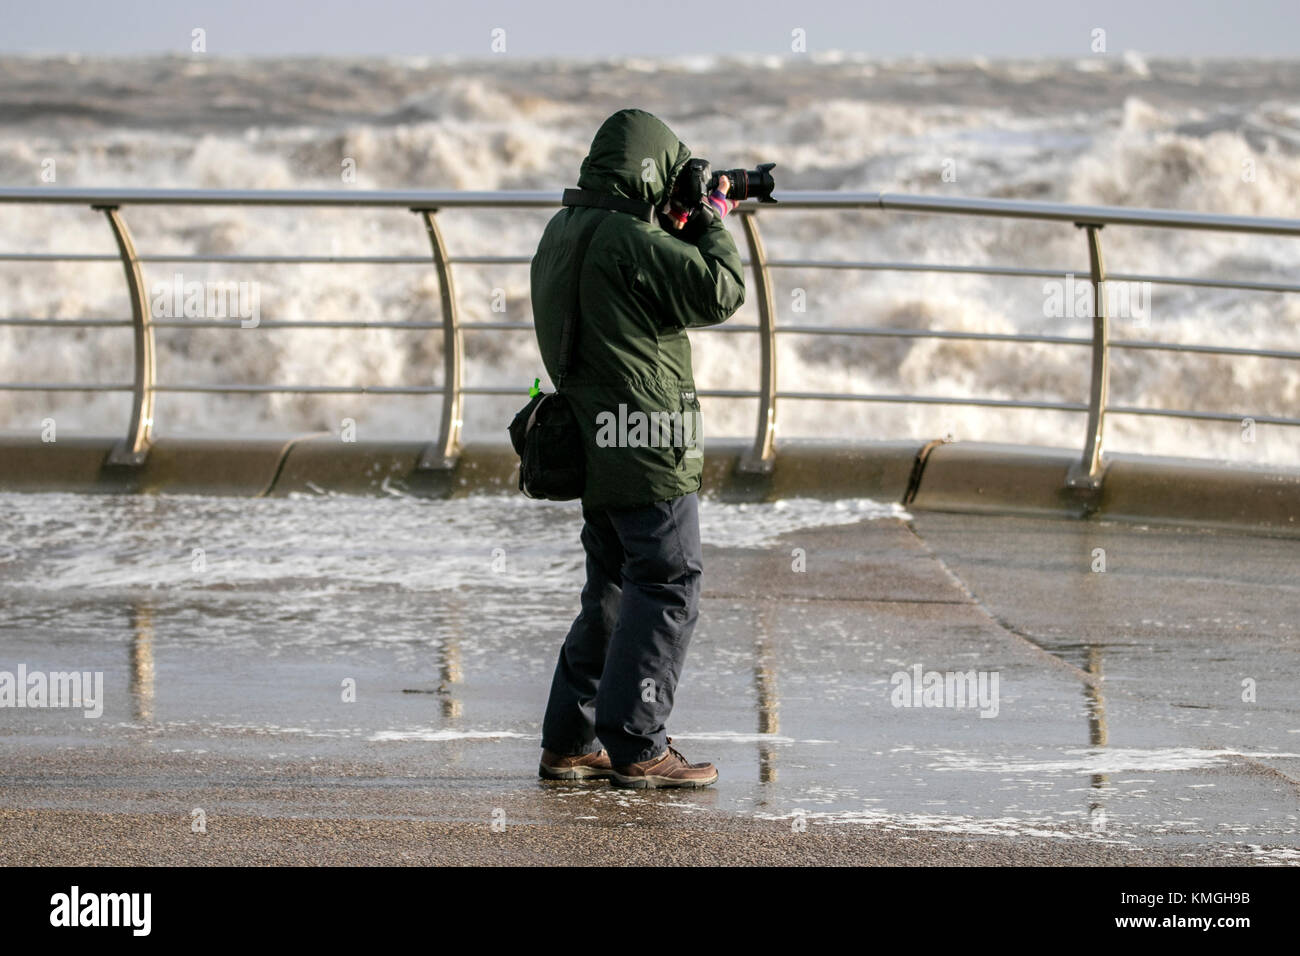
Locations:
620 662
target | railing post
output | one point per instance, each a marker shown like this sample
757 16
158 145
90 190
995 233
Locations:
760 458
133 449
1087 472
442 454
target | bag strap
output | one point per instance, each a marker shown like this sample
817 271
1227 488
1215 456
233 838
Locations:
589 197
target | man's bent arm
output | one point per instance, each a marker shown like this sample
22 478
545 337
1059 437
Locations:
701 283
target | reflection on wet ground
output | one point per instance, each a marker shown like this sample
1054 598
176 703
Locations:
1150 704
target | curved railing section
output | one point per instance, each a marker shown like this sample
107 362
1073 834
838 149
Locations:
443 449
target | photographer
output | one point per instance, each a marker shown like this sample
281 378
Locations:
641 256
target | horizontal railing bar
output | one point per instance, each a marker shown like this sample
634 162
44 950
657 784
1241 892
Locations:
710 393
305 389
327 324
330 198
1044 339
1200 416
728 393
324 324
828 264
510 390
341 260
1046 406
1204 349
318 324
378 390
1060 212
288 324
884 266
490 260
832 330
1237 284
549 199
58 257
266 259
292 260
314 324
61 387
68 322
494 390
1245 285
934 400
928 334
496 326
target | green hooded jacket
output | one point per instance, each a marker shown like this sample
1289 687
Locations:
629 380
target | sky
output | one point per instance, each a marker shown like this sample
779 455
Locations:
544 28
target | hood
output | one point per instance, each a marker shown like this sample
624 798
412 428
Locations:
618 153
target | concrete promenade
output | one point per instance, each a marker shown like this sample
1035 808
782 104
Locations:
1146 709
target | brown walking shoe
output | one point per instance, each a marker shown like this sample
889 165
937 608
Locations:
582 767
669 769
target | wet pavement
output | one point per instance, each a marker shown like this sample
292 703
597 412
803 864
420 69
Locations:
1133 695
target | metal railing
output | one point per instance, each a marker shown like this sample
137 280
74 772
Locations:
442 452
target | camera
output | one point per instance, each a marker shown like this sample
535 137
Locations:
697 180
